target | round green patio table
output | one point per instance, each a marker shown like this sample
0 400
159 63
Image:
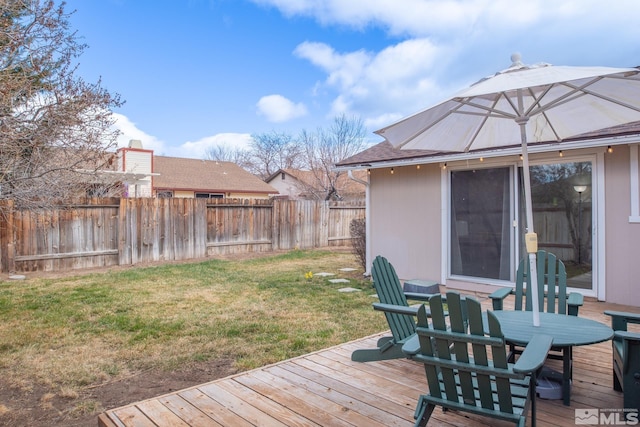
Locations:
566 331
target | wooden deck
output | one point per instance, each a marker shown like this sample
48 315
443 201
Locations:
326 388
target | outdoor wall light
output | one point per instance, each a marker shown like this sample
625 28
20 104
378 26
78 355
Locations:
560 153
444 166
391 171
609 149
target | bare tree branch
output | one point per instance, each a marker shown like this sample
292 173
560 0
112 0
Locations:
327 147
273 151
222 153
55 128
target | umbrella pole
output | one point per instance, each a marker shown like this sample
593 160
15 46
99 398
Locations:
531 239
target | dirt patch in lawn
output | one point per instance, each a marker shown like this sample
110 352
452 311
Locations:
40 407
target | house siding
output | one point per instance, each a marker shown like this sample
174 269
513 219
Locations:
622 237
407 212
234 195
230 195
405 220
140 162
289 186
182 194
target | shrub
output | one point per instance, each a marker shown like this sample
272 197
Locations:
358 231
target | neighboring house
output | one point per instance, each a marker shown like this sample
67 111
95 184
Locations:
304 184
178 177
457 217
159 176
137 161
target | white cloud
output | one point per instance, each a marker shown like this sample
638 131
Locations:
451 19
446 45
130 131
199 149
414 18
388 83
190 149
278 109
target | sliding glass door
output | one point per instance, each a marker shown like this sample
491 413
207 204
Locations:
562 214
480 223
484 224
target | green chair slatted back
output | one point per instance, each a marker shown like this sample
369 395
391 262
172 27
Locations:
552 284
400 316
390 291
552 298
461 375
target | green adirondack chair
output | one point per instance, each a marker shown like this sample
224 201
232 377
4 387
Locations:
626 357
552 297
552 287
403 341
472 383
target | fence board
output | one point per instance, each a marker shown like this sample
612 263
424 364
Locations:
78 236
339 223
105 232
235 226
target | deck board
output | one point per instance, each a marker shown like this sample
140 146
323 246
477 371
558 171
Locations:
326 388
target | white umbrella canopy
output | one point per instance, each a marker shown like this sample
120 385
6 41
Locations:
524 105
559 102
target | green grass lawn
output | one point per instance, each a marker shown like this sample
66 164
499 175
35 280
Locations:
73 332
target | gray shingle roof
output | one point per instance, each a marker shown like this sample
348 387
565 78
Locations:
382 152
178 173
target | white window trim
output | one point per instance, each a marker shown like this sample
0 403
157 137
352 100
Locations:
446 221
634 177
445 235
597 226
598 229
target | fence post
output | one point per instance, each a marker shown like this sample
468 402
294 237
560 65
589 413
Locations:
275 224
325 217
124 234
7 246
11 258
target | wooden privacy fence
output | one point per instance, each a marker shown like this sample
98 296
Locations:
107 232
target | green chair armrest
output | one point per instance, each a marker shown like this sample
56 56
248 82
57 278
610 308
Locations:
626 316
620 319
399 309
575 301
411 346
631 336
534 354
498 297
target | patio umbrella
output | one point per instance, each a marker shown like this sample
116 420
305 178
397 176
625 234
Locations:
519 106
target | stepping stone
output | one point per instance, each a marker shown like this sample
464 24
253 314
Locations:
348 269
339 281
324 274
17 277
348 290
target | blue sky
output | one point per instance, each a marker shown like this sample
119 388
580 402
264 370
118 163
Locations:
199 73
